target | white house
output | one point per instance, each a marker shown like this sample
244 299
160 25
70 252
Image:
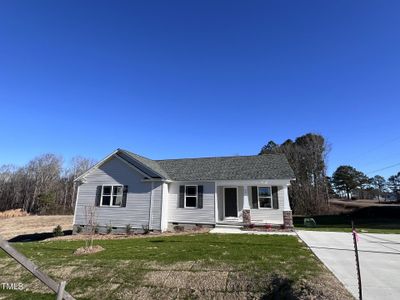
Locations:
126 188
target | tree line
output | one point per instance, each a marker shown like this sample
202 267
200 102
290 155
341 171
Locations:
310 192
349 182
43 185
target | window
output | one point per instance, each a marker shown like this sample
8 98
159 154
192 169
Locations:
111 195
191 196
264 197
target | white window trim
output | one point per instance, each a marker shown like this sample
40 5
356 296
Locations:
111 195
197 197
264 197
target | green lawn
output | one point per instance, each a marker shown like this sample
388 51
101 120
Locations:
184 266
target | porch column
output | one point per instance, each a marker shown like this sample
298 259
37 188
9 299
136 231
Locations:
216 203
286 203
287 211
246 206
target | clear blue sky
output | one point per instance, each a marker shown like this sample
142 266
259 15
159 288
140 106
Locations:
172 79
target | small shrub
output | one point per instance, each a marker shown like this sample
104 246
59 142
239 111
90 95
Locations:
268 226
252 225
309 222
128 229
179 228
96 229
146 229
78 229
57 231
109 228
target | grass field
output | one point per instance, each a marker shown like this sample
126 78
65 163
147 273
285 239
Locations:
373 219
194 266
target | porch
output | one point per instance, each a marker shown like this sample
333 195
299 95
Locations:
251 202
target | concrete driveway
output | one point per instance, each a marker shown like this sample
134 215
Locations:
379 261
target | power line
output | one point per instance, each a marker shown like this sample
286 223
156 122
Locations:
377 147
388 167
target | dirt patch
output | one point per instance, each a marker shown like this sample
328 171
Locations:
201 280
179 266
238 285
146 292
64 272
15 226
324 286
202 265
88 250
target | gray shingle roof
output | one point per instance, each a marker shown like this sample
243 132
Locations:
268 166
147 162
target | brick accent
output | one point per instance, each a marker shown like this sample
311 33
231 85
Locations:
288 219
246 216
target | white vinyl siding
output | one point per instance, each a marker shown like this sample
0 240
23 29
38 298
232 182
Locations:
136 213
271 216
156 206
204 215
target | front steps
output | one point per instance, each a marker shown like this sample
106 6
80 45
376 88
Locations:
228 225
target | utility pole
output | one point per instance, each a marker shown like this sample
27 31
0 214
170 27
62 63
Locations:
357 259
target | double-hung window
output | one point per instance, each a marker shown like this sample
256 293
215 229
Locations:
111 195
191 195
264 197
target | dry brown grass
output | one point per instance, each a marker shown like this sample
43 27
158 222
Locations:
352 204
88 250
12 227
178 282
12 213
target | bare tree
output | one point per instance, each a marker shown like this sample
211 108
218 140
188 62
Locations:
90 219
79 165
42 186
306 155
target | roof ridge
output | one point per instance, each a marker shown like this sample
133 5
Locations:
231 156
130 152
204 157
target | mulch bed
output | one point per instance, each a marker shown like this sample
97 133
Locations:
267 229
82 236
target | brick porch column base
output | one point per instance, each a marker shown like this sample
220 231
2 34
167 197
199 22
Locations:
246 216
288 219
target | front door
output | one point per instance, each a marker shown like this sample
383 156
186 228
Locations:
230 202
